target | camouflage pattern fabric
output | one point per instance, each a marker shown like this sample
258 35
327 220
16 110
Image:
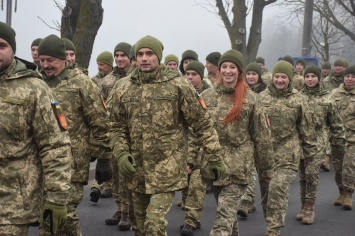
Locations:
298 81
150 211
266 76
227 198
249 194
331 82
97 79
345 100
327 119
13 230
72 226
34 150
86 114
104 185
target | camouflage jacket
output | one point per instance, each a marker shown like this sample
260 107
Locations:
345 100
331 82
266 76
236 138
150 114
34 150
97 79
292 129
298 81
326 117
85 113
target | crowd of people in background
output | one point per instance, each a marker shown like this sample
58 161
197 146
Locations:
155 125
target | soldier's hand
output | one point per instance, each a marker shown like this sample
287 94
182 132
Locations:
126 165
217 168
57 215
103 171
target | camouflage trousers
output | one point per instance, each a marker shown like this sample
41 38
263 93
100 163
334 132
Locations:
13 230
195 200
104 185
349 167
274 198
72 226
119 190
228 198
150 211
249 195
309 178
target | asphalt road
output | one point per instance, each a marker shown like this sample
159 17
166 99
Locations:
330 220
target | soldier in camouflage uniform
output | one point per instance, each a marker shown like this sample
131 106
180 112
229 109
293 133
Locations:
86 115
150 110
212 66
266 75
34 148
187 56
257 85
172 62
300 65
34 52
193 196
345 98
325 116
292 131
297 80
326 69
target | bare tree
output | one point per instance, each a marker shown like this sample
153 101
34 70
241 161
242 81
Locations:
233 14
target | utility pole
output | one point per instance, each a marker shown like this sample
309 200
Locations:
8 12
307 28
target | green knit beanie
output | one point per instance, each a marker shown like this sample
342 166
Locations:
52 46
131 53
150 42
301 61
9 34
326 65
347 64
339 62
349 70
253 67
124 47
171 57
260 60
36 42
313 69
196 66
213 58
105 57
232 56
289 59
69 45
189 54
283 67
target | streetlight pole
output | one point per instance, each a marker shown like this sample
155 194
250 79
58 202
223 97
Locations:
9 12
307 28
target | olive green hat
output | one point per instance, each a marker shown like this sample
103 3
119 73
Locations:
150 42
131 53
283 67
36 42
313 69
253 67
124 47
52 46
171 57
349 70
213 58
301 61
105 57
232 56
339 62
9 34
69 45
347 64
326 65
189 54
289 59
196 66
260 60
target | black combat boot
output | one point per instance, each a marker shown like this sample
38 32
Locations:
187 230
95 195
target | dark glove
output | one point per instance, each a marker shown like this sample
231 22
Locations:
103 171
92 159
57 215
126 165
217 169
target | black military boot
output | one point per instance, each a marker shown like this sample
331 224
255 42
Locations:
114 219
187 230
95 195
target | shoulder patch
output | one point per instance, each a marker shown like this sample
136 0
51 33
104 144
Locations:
202 102
59 114
103 102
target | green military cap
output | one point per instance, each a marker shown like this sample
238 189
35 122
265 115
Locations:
189 54
289 59
123 47
105 57
349 70
253 67
196 66
36 42
339 62
233 56
301 61
53 46
171 57
69 45
213 58
150 42
9 34
313 69
131 53
260 60
326 65
283 67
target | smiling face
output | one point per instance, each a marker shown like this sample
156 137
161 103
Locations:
51 66
349 80
230 73
122 60
311 80
252 78
280 81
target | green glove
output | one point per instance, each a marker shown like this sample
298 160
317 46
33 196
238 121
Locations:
57 215
103 171
126 165
217 169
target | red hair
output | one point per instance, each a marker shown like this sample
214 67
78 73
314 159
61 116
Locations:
241 88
